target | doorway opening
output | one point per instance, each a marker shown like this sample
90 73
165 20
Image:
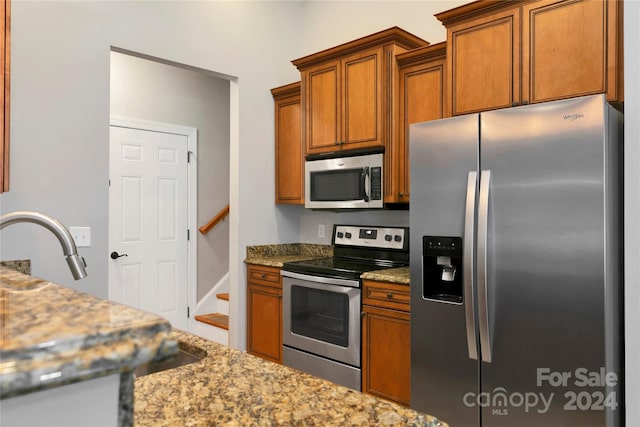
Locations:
155 90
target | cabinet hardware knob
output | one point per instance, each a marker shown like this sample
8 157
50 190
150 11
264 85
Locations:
263 275
389 295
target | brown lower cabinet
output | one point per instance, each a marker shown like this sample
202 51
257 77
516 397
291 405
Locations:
264 312
386 341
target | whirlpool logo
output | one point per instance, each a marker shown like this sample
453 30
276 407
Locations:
572 117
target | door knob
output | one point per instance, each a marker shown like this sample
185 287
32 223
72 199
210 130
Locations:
115 255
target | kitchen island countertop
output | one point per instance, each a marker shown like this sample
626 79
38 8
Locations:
231 388
51 335
56 341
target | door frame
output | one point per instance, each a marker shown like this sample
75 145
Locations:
191 134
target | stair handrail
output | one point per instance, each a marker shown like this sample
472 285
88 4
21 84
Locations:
215 220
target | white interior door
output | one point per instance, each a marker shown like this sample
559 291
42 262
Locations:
148 197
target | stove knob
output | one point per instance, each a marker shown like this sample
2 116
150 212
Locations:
387 237
347 235
340 234
397 238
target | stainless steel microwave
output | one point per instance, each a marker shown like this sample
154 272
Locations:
346 182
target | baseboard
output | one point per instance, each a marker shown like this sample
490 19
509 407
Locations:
208 332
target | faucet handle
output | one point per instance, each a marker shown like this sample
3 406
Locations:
115 255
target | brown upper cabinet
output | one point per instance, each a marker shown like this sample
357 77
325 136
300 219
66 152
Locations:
348 92
288 138
4 83
506 53
421 95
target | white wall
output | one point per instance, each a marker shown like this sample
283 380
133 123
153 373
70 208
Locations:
632 207
327 24
150 90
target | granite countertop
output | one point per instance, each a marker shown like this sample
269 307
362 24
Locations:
51 335
393 275
277 255
232 388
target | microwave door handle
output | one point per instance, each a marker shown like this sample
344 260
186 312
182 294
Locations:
365 183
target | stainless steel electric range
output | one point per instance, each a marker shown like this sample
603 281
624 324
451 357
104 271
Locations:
322 301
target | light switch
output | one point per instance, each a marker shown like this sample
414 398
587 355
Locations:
81 235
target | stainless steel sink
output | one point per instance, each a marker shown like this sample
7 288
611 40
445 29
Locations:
185 356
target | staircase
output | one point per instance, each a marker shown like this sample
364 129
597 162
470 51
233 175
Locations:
219 320
211 317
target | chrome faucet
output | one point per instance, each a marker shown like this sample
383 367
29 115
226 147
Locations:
76 262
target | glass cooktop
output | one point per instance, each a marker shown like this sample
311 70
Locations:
358 249
337 267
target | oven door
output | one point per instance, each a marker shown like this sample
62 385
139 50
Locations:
322 316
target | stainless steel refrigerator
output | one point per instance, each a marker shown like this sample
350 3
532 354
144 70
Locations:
516 266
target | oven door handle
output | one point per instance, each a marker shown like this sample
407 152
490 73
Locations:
320 279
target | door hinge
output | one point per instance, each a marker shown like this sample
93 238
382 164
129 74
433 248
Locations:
188 234
188 314
109 183
189 153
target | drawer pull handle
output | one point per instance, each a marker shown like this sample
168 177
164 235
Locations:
389 295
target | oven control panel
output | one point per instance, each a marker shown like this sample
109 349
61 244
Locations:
371 236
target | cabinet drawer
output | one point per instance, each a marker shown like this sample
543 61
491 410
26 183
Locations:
263 275
386 295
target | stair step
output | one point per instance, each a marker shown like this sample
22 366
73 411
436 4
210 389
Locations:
216 319
224 296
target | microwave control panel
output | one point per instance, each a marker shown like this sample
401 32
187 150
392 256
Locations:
376 183
374 237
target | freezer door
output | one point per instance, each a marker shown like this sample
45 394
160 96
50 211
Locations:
443 366
546 264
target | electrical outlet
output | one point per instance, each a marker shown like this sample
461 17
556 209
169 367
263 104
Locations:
81 235
321 231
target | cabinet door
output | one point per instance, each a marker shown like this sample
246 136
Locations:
322 104
421 99
289 151
484 63
362 99
264 322
386 355
565 49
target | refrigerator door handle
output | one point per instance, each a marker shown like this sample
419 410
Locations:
468 264
483 306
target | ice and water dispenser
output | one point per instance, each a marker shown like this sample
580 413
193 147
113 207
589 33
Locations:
442 268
